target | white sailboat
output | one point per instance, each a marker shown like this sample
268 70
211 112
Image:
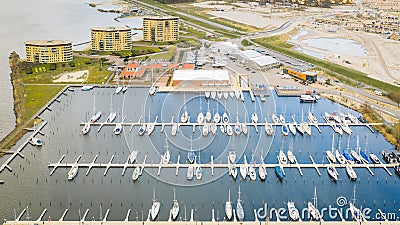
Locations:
199 170
142 129
174 129
332 172
312 208
190 172
86 128
225 118
329 154
275 119
239 208
232 156
136 173
118 128
244 125
355 212
228 207
207 94
155 207
226 95
243 168
269 130
252 173
133 155
213 94
292 128
282 119
232 94
166 156
175 208
200 116
229 130
233 172
293 212
219 94
206 129
73 171
217 117
150 126
185 114
254 116
213 128
36 141
340 158
208 113
282 157
350 172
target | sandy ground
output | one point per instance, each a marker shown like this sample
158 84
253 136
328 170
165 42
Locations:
382 59
78 76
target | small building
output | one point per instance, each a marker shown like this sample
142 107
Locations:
160 28
391 157
130 71
53 51
299 74
111 38
200 78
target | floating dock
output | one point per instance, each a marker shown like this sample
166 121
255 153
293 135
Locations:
211 165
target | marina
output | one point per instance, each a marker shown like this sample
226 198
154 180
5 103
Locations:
112 168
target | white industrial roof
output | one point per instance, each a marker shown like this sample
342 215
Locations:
216 75
264 60
250 54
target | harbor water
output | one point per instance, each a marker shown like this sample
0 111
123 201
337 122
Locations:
29 184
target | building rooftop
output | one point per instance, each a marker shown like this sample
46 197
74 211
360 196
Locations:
48 42
160 17
212 75
110 29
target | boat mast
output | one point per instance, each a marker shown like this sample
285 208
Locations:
358 146
315 198
354 195
366 145
229 195
333 141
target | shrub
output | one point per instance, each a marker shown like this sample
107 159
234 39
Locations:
71 64
53 66
88 62
28 71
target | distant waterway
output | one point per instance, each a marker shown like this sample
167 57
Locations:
29 184
28 20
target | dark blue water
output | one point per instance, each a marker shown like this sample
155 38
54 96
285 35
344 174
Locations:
31 185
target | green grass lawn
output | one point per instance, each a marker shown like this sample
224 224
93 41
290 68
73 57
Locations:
36 96
43 75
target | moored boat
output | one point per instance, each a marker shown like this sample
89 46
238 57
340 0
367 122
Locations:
86 128
282 157
279 172
350 171
293 212
332 172
73 171
285 130
232 156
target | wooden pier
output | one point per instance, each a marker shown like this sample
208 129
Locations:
21 147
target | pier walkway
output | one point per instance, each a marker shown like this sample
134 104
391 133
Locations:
19 150
211 165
